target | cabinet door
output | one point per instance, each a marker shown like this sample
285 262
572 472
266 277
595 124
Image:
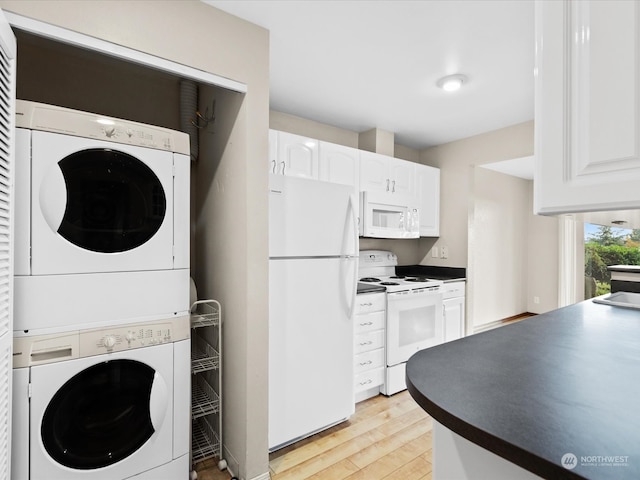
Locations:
374 172
402 175
297 155
428 191
587 111
273 151
340 164
453 318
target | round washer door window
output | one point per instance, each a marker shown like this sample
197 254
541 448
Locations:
100 416
114 201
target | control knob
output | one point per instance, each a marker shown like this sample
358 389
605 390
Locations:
109 341
110 131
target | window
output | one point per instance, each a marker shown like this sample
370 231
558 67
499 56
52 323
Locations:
604 246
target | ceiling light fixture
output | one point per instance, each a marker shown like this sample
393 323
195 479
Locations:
451 83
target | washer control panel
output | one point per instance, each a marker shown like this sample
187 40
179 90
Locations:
127 337
118 339
57 347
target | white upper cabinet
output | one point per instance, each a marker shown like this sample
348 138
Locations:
340 164
428 190
587 112
380 173
295 155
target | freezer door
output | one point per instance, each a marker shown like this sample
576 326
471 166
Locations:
311 218
310 346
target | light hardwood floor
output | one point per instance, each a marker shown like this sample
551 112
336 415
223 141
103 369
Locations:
387 438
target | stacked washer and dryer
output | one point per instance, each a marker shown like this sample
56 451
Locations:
101 316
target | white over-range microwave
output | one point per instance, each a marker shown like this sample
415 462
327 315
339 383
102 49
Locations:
386 215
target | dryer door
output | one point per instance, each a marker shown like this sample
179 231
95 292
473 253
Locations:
107 416
99 206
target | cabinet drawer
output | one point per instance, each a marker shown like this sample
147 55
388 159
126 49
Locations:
370 302
453 289
369 341
369 360
369 379
369 322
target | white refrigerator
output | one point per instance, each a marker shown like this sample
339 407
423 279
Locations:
313 264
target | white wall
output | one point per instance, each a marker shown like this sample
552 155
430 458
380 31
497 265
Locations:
232 237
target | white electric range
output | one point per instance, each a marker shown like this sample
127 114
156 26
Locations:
414 318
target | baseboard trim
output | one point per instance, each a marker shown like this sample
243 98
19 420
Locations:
502 322
263 476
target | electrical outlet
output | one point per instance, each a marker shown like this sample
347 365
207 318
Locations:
444 252
536 299
434 251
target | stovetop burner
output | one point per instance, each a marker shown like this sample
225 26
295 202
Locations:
389 283
417 279
370 279
399 277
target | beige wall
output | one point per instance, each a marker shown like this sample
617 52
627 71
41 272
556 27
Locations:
498 233
462 216
455 161
543 260
231 245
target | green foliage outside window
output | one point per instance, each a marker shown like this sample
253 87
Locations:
608 247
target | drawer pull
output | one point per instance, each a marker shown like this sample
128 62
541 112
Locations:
368 362
368 304
366 383
366 343
364 324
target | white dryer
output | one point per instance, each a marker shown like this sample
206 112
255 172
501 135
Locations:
102 220
103 404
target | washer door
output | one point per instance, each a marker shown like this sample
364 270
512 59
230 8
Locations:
100 416
99 206
92 418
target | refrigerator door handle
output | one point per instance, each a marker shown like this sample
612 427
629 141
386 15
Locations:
354 282
354 223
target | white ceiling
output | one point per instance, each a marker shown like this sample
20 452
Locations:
374 64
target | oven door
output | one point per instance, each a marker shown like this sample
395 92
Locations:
99 206
414 322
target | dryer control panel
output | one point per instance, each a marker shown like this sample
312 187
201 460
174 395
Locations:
51 118
43 349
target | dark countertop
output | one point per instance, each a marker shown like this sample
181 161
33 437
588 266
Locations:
567 381
447 274
368 288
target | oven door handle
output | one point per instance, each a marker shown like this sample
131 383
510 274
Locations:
158 401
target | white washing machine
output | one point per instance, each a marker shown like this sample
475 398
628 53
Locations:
103 404
102 220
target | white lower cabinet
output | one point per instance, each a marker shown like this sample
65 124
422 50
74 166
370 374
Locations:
369 358
453 310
